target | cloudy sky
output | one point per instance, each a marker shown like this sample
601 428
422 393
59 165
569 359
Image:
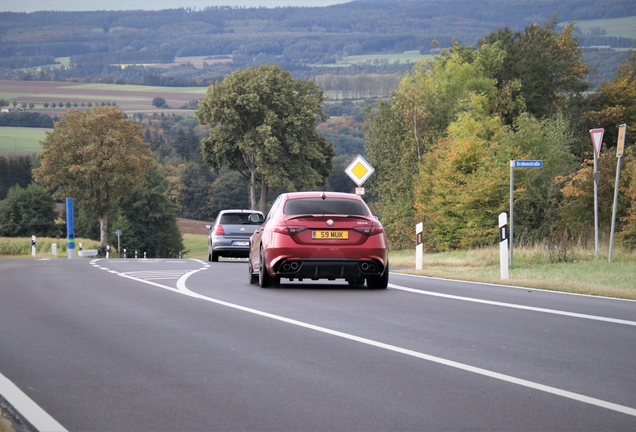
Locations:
91 5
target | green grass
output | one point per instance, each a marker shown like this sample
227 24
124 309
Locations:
532 268
196 245
21 140
20 247
615 27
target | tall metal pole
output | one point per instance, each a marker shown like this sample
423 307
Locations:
596 177
618 177
620 146
512 206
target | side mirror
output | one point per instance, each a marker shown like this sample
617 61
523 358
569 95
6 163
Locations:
256 218
208 226
376 217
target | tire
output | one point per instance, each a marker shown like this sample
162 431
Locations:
209 257
253 277
379 282
263 276
215 257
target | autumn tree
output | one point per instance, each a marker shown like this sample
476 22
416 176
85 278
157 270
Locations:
263 125
97 157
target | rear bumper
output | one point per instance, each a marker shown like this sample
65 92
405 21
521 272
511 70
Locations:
315 269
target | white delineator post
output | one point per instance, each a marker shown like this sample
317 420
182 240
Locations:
419 246
503 245
33 246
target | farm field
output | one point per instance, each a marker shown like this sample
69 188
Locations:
615 27
21 140
391 58
129 98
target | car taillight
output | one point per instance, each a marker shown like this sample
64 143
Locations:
289 230
219 230
369 230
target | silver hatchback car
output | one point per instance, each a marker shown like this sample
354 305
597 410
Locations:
231 232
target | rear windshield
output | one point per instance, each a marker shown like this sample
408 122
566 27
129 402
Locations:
327 206
236 219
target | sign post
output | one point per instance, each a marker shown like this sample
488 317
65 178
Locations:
620 146
419 246
70 228
597 142
517 164
503 246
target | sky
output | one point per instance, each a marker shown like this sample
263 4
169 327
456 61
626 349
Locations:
92 5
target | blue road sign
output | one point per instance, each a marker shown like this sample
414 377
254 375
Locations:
528 164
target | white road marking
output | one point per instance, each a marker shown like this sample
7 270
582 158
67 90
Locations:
515 306
182 289
27 408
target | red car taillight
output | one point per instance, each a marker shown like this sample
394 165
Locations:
219 230
289 230
369 230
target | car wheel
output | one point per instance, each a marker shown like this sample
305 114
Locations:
263 277
215 257
253 276
379 282
209 257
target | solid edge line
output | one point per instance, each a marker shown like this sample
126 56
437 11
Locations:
32 412
514 306
494 285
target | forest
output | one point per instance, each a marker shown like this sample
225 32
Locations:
304 40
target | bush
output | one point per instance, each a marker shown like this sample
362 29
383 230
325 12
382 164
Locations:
159 102
28 212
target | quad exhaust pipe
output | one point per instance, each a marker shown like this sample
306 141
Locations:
290 266
367 267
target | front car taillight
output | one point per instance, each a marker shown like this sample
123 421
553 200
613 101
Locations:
219 230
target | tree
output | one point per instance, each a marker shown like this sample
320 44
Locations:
263 125
159 102
28 212
96 157
546 64
148 219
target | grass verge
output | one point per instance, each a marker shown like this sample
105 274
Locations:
579 272
20 247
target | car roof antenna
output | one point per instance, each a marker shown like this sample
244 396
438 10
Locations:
324 195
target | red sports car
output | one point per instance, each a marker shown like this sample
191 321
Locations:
319 235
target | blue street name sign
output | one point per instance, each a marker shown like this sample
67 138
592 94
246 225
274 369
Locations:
528 164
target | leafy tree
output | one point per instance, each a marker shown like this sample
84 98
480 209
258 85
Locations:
159 102
229 190
546 64
263 125
27 212
14 170
96 157
148 219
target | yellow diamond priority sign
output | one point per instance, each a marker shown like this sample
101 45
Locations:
359 170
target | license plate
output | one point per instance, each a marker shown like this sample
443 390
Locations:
330 235
240 243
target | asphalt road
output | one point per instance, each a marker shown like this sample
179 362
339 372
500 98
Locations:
176 345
